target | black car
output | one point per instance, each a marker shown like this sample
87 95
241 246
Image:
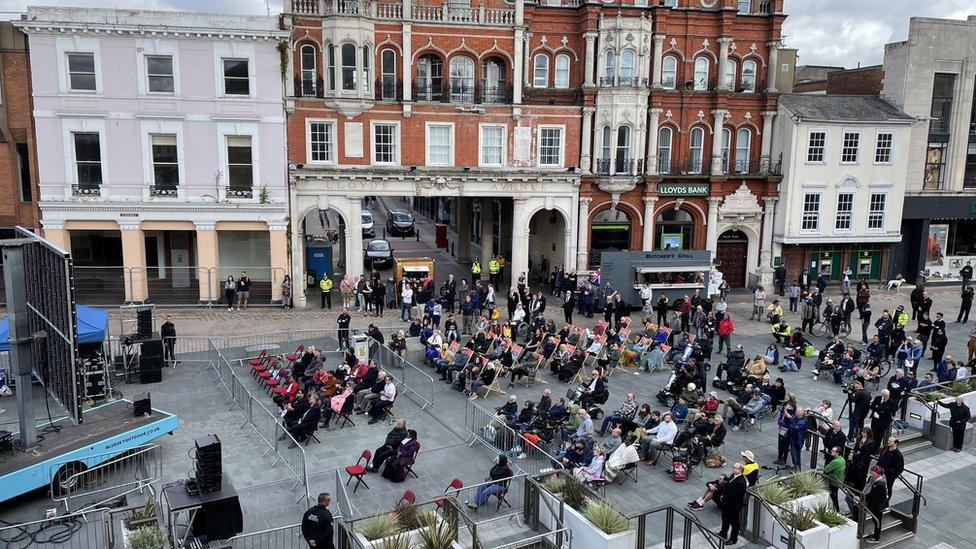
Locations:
399 224
378 253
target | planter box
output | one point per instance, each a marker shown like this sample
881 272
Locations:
766 518
413 537
584 532
917 414
844 537
811 501
766 521
943 434
815 537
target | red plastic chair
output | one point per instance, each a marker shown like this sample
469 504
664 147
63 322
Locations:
455 484
408 497
358 470
292 357
260 358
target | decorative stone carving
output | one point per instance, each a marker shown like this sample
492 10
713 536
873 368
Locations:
437 184
617 185
741 204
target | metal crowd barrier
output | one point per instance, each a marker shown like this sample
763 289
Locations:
130 472
84 530
483 426
496 507
263 422
412 379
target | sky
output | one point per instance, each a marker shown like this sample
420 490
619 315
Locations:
827 32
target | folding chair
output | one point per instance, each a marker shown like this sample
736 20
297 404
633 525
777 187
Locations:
493 386
500 496
455 485
311 437
346 413
409 466
258 359
358 471
628 471
292 357
534 366
408 497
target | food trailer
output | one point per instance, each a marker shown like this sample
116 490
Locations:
673 272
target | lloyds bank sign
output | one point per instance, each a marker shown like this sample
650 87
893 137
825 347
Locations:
682 189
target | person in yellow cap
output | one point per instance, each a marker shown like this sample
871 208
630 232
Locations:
475 272
326 286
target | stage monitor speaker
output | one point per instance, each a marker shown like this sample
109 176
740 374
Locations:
143 406
152 348
144 323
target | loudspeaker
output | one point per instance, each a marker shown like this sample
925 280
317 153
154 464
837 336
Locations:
209 469
144 323
152 348
150 369
142 407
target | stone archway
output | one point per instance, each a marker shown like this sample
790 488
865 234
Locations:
741 213
547 242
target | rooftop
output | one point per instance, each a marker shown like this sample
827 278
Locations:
156 20
853 108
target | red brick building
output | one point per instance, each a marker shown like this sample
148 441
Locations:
559 127
18 178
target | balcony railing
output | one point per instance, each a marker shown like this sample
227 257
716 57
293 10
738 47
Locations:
623 82
553 96
86 190
456 92
166 191
240 192
618 166
389 89
689 166
939 125
305 87
444 13
765 166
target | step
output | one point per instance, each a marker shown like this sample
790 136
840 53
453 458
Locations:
889 538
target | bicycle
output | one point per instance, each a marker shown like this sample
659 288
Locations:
823 328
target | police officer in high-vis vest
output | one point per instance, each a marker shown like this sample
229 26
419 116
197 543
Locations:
493 269
326 286
475 272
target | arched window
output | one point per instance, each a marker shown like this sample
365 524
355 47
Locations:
743 144
367 64
330 66
429 73
493 80
607 152
701 73
308 69
628 69
622 163
610 230
749 76
540 71
562 71
664 136
669 72
388 74
726 143
609 67
348 59
695 150
462 79
675 229
731 67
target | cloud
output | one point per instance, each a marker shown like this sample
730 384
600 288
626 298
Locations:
845 32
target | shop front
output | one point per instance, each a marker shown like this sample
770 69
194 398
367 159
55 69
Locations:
939 237
831 260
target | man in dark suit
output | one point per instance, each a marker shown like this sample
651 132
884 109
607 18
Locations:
833 437
730 497
390 446
882 412
317 527
308 422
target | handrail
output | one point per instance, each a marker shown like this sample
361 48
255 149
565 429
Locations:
916 490
670 510
771 507
856 495
530 541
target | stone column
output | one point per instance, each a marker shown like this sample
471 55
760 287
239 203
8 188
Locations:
723 62
519 66
406 69
590 61
298 262
208 263
584 235
520 238
353 215
648 242
653 126
658 61
487 234
463 249
767 139
711 230
134 263
959 123
717 164
523 57
278 239
772 67
766 250
58 235
289 71
586 149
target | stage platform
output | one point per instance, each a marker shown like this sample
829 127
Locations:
108 428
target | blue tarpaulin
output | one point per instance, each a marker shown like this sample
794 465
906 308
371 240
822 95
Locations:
92 325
